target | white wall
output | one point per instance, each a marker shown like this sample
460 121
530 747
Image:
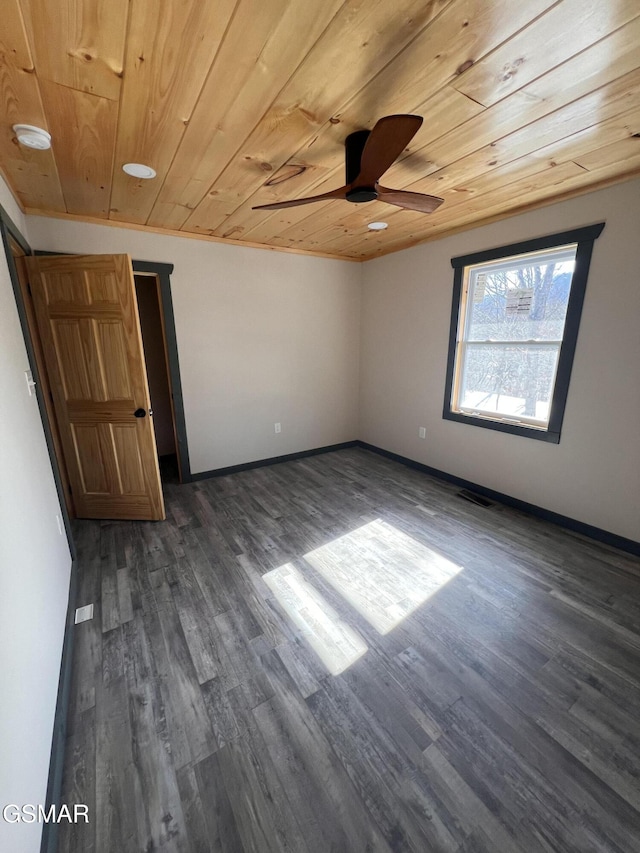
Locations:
34 579
593 475
263 337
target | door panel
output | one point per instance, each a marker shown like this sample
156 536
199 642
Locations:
73 347
91 459
87 317
126 444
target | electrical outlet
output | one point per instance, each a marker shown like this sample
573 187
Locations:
60 525
278 427
422 432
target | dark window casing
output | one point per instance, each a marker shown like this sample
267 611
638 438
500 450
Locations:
584 238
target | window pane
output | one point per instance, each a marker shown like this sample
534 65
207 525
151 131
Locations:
513 381
520 299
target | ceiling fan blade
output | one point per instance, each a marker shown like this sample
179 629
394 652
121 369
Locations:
276 205
385 144
410 201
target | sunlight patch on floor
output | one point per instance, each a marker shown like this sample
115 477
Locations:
383 573
336 644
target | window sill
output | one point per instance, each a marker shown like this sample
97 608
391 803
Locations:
551 437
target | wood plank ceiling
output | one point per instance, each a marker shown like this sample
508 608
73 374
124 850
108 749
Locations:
242 102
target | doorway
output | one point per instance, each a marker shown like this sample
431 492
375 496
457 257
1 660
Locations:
152 292
155 353
162 330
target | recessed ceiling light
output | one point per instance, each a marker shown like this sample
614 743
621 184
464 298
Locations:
377 226
32 137
139 170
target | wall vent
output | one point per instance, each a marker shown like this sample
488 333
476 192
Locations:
473 498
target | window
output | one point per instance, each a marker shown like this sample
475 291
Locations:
514 326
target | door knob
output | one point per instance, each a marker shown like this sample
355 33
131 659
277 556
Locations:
139 413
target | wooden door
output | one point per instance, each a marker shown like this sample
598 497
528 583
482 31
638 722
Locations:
88 321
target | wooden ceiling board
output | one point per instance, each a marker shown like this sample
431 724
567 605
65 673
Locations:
84 126
564 181
476 146
324 160
555 132
585 181
434 127
355 46
479 183
32 175
542 184
582 152
79 43
446 109
624 150
589 71
170 48
401 85
237 103
261 50
563 31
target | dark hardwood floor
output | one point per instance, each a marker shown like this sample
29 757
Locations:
498 713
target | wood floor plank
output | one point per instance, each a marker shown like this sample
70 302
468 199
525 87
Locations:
521 715
190 732
257 820
87 665
222 828
193 810
119 811
220 710
472 813
108 573
499 715
305 762
404 807
164 825
79 785
291 833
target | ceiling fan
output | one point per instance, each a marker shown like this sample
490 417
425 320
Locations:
368 155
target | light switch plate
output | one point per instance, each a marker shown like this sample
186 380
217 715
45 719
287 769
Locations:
31 385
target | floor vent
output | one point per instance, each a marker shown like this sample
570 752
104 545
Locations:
473 498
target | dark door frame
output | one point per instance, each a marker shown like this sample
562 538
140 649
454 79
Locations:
10 231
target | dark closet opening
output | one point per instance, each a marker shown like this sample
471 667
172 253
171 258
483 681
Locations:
158 376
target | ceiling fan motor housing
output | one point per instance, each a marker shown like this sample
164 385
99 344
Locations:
354 146
362 194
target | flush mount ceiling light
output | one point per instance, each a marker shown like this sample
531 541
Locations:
377 226
32 137
139 170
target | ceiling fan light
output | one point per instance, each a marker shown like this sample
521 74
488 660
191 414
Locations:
32 137
377 226
139 170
